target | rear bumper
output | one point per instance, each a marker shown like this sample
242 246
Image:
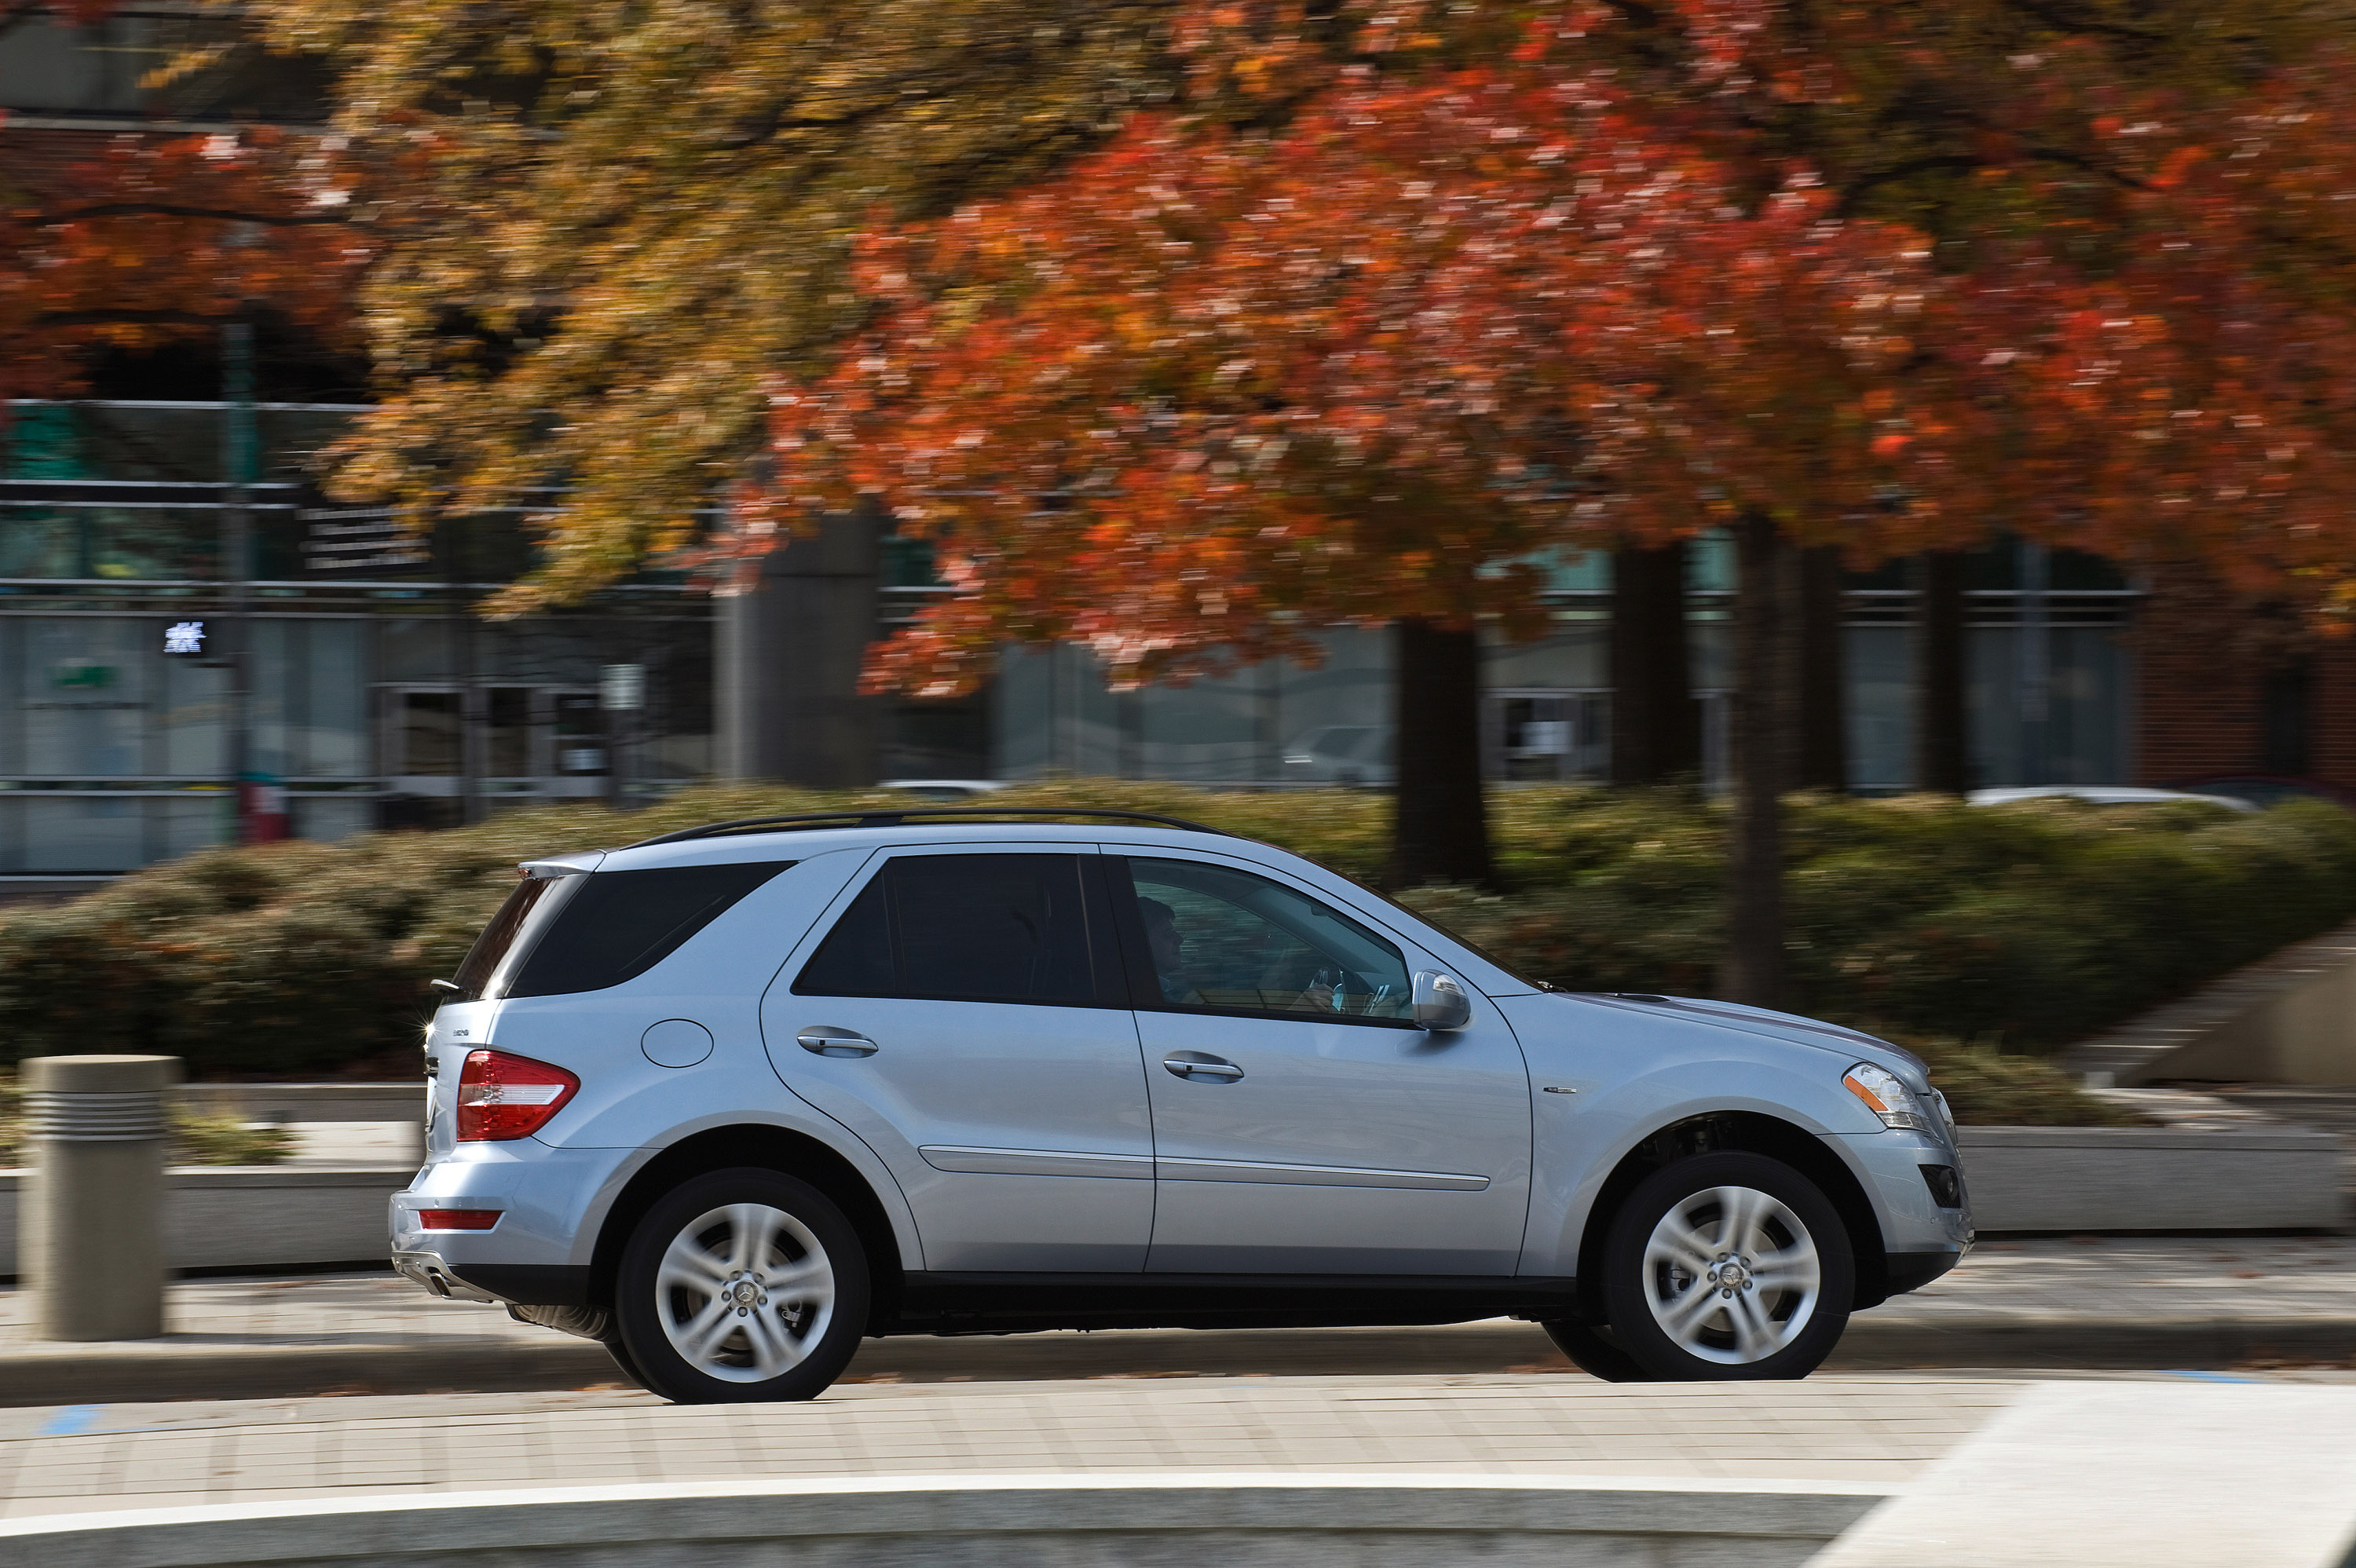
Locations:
431 1273
550 1202
523 1284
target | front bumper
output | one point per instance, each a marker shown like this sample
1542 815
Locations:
1919 1239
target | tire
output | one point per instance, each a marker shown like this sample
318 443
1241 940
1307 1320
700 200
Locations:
1590 1349
789 1267
623 1361
1781 1304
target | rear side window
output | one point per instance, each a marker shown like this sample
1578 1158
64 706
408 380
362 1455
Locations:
987 928
619 924
528 908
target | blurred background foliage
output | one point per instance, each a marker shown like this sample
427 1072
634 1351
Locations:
198 1137
2008 929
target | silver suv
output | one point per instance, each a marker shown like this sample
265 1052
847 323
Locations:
728 1100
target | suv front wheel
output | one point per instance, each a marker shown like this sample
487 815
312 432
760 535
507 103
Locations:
742 1284
1727 1265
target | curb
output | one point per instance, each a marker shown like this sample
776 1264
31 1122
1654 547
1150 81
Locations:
129 1372
1256 1520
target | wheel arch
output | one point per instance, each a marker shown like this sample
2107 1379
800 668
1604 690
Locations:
770 1147
1750 1132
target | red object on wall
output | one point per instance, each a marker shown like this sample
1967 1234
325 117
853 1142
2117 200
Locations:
262 814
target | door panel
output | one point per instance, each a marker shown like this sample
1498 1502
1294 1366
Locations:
1342 1149
1017 1129
1300 1126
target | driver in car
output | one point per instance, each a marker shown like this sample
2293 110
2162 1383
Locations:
1171 972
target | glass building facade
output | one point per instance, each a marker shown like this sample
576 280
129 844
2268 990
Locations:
375 695
2049 694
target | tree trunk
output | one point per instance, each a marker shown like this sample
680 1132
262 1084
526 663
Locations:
1441 832
1754 950
1655 718
1942 751
1822 732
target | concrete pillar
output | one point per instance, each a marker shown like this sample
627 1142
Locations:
92 1245
791 650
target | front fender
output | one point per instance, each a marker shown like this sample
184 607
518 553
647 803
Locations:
1628 1076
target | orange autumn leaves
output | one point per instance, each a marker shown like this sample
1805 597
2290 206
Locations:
151 238
1206 391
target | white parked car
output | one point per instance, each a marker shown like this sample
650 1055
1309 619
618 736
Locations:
2102 794
731 1099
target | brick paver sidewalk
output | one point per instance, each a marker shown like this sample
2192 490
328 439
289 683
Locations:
1865 1429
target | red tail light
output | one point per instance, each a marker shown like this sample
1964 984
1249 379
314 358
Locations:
457 1219
502 1097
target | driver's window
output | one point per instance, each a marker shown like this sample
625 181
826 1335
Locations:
1228 939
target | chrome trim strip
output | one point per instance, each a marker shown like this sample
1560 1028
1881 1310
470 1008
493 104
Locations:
1036 1162
1315 1175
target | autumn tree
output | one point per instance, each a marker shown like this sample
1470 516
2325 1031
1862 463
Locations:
133 242
1206 391
1351 316
614 225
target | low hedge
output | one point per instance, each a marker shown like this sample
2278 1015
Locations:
198 1139
2020 926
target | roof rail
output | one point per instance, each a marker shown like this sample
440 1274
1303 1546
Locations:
893 816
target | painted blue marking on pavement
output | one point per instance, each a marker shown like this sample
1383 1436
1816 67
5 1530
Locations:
73 1419
2213 1377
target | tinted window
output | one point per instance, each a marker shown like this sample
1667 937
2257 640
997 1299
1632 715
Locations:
993 928
531 904
620 924
1225 939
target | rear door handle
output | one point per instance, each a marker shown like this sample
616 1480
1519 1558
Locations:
1198 1067
825 1040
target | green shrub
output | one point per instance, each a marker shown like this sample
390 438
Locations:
196 1139
2022 926
1989 1088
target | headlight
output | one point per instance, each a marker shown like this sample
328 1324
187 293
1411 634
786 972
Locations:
1886 1097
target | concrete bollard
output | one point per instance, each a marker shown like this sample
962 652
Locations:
93 1245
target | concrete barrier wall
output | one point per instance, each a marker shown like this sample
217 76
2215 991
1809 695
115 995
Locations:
309 1101
2287 1018
2152 1179
256 1217
1245 1521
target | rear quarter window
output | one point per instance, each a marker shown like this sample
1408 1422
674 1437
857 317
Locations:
619 924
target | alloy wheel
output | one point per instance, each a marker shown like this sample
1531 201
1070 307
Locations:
744 1292
1731 1275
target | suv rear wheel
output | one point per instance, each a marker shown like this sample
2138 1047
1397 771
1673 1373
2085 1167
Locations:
741 1285
1727 1266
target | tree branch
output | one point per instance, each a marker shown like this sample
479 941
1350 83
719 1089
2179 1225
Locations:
127 319
2061 21
1853 195
172 210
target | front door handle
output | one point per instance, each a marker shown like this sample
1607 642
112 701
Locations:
825 1040
1198 1067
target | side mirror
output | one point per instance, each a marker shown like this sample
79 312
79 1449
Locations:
1439 1001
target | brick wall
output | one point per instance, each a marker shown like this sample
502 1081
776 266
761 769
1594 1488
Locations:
2202 661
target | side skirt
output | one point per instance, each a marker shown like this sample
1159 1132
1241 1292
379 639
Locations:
1022 1303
